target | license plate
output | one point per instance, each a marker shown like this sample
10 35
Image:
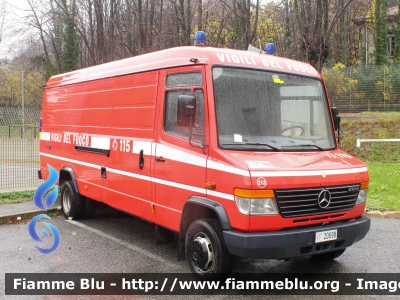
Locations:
324 236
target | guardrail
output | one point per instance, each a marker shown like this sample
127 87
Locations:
359 141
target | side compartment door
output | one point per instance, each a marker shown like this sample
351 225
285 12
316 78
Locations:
133 117
179 168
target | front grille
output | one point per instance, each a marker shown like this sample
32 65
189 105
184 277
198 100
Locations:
304 202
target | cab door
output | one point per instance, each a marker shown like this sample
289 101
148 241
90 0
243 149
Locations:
179 168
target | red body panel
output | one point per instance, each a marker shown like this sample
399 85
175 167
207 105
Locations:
119 107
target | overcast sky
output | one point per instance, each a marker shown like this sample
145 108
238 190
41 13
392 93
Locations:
14 11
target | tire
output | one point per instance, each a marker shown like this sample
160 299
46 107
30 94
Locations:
71 201
89 208
328 255
205 249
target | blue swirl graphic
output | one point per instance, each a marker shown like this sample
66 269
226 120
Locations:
44 187
32 231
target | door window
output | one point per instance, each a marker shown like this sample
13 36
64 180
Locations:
191 80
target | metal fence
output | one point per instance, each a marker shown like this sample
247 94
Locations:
364 88
19 163
19 123
19 148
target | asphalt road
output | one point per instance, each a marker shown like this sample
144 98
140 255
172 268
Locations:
117 243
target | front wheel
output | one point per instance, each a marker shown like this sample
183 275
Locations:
329 255
205 249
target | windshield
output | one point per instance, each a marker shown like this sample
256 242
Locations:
271 111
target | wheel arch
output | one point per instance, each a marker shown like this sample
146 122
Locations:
67 173
197 207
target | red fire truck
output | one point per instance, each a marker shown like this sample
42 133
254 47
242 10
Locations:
234 151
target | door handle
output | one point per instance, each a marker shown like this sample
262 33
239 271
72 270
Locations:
159 159
141 159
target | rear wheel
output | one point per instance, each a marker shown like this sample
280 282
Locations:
205 249
71 201
329 255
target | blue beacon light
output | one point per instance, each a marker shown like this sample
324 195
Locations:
270 48
200 38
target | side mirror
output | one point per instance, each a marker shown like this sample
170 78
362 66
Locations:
186 110
336 117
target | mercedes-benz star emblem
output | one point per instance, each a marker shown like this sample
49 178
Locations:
324 198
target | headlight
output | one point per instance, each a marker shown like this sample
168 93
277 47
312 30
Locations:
256 202
362 194
243 205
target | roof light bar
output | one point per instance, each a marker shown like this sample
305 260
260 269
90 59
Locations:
200 38
270 48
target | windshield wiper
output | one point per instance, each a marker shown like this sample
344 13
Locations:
304 145
253 144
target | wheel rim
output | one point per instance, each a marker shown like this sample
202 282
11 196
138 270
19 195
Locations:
201 253
66 201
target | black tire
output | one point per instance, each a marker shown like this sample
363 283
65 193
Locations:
205 249
71 201
89 208
328 255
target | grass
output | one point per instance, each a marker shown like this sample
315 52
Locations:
384 186
380 115
385 126
16 197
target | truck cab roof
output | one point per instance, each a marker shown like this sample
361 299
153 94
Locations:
183 56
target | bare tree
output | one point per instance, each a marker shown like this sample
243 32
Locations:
2 16
114 29
316 20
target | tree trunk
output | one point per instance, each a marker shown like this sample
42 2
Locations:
199 4
187 22
142 38
91 33
101 50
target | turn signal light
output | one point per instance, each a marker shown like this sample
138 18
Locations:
254 193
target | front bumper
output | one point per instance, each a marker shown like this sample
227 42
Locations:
294 243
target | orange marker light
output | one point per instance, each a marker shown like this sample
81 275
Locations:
211 185
254 193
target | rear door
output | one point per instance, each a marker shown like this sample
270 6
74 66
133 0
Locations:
179 168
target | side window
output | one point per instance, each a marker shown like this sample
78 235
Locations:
189 80
171 108
184 79
199 125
